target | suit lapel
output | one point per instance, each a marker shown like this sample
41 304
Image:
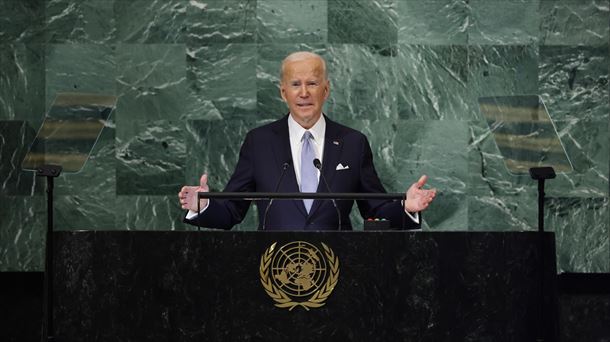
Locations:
282 152
333 145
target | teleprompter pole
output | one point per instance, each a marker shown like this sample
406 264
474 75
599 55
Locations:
50 172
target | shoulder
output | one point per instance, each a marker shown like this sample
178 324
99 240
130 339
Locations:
339 131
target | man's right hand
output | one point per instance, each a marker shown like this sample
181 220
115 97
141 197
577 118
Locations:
188 195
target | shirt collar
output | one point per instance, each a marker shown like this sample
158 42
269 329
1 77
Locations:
317 130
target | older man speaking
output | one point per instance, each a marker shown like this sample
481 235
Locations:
289 146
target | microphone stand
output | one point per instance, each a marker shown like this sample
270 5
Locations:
318 165
277 187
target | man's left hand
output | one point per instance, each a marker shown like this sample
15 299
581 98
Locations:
419 199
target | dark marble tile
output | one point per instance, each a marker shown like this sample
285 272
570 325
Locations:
574 82
89 21
391 286
362 22
151 22
584 317
151 82
221 21
150 157
22 21
15 140
281 21
22 233
433 83
214 69
497 22
574 22
433 22
22 82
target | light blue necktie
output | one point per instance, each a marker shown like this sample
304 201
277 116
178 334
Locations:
309 176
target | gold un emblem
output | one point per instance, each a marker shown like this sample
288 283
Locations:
299 274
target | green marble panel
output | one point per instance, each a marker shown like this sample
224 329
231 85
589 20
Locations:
270 56
281 21
404 150
22 21
22 233
151 82
22 82
213 148
517 212
15 139
152 22
363 22
502 70
581 233
79 68
501 22
586 144
363 84
221 21
150 213
150 157
223 77
433 22
433 83
90 21
574 22
574 82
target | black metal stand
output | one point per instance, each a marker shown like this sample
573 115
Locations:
541 174
49 171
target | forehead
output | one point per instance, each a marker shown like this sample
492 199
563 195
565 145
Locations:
311 67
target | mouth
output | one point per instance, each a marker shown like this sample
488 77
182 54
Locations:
304 105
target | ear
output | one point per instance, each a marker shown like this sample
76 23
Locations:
326 89
282 91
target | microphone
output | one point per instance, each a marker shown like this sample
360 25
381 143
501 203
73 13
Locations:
318 164
285 167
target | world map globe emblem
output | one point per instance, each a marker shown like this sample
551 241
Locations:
299 274
298 269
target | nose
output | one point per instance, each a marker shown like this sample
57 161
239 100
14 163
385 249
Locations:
303 92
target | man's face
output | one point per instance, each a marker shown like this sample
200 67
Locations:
304 88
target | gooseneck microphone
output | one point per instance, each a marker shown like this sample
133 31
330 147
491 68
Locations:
318 164
285 167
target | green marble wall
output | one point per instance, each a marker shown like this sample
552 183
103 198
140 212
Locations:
193 76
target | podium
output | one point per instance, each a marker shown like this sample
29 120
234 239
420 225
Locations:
390 286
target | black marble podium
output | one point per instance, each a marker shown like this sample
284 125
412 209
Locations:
392 286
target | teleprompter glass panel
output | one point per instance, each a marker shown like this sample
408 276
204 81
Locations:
69 131
524 133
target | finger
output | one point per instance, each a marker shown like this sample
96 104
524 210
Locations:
422 181
203 181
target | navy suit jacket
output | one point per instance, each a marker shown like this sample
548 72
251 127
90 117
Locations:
262 155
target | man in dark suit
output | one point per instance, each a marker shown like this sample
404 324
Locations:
289 146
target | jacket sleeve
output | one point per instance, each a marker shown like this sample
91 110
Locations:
388 209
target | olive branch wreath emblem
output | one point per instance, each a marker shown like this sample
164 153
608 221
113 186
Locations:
282 300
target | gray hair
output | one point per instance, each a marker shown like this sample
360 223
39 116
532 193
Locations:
300 56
